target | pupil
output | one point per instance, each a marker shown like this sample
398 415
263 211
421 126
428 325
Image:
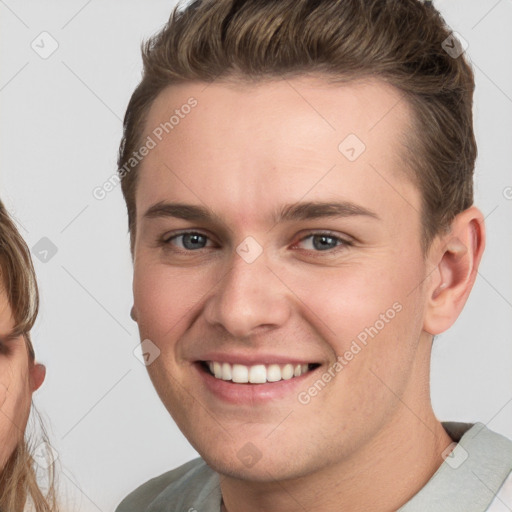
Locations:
323 245
192 240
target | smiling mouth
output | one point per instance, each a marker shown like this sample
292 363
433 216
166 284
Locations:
256 374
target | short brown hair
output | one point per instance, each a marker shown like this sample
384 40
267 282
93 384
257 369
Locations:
400 42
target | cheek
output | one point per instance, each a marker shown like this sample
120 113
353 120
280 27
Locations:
371 316
15 400
346 302
163 296
3 392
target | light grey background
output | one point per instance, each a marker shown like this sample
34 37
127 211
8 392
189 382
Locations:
61 125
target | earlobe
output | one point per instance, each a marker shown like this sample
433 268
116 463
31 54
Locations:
37 375
458 256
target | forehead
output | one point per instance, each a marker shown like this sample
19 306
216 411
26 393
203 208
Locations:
244 146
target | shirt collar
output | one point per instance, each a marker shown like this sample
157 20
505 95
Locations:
470 476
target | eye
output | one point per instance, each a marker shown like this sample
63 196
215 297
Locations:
324 241
190 240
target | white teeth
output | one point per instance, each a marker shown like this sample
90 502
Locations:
217 370
226 371
256 374
273 373
240 373
287 371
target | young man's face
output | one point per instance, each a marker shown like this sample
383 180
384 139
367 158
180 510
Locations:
344 293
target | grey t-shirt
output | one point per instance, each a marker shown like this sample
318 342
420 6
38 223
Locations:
471 479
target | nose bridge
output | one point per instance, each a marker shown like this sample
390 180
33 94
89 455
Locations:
248 296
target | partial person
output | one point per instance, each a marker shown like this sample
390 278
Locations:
20 376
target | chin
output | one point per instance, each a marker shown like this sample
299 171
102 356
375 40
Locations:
261 472
249 464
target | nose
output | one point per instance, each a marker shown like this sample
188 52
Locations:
249 298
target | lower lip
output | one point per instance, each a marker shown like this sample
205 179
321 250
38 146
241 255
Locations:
244 394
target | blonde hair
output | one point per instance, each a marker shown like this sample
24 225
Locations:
18 480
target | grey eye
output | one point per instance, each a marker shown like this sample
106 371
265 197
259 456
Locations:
321 242
191 241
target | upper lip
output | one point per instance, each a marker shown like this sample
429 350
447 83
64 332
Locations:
253 359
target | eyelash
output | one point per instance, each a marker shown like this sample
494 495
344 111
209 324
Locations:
341 246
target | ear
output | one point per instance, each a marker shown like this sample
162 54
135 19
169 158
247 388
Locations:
456 257
37 376
133 314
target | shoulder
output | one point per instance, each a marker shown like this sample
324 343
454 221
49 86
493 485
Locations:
471 474
503 500
185 485
481 450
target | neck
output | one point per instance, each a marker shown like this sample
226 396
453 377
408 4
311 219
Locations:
382 476
389 473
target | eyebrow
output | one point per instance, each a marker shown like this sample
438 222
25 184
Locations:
289 212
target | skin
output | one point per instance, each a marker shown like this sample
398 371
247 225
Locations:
19 378
243 152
